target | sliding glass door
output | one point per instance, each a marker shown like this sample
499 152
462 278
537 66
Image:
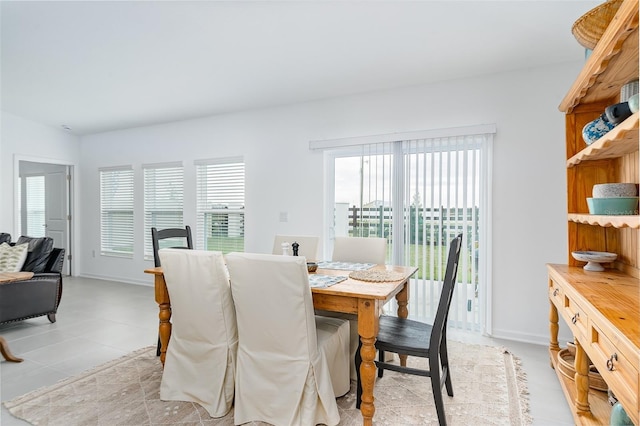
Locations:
419 194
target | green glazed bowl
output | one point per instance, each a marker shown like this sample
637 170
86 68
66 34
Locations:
613 206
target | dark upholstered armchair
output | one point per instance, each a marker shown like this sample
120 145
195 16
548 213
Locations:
40 295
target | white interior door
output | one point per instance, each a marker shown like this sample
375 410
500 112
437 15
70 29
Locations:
56 209
45 209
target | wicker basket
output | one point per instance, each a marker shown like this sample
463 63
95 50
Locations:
589 27
566 359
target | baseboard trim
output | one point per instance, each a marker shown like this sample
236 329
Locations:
537 339
118 279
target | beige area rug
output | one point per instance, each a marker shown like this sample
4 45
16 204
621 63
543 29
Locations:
489 389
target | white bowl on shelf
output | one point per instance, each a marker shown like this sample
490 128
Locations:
611 190
594 259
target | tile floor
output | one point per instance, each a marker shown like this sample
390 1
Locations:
102 320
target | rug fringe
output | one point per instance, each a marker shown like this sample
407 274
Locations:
522 389
63 382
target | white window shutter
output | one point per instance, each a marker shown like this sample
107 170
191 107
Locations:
116 212
163 200
220 204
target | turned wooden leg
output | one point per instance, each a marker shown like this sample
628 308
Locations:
553 331
6 353
367 328
582 379
403 300
164 305
165 329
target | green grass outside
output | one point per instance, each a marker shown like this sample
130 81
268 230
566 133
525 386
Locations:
225 245
435 271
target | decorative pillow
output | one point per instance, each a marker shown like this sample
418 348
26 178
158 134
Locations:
39 250
12 257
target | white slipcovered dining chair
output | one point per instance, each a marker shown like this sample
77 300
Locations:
287 358
360 250
200 363
308 245
357 250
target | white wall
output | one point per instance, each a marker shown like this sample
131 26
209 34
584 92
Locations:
22 139
283 175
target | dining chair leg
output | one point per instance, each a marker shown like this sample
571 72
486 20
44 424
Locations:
159 346
444 357
436 387
380 359
358 362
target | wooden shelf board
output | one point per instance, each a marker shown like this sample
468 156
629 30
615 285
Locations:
622 139
614 61
621 221
598 401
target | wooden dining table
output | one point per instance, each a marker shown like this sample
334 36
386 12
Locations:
352 296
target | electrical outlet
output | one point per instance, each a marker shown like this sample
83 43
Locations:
284 217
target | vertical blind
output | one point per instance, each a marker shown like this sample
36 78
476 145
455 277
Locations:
220 204
442 199
116 211
419 194
163 201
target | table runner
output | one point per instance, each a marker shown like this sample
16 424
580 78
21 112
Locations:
321 281
345 266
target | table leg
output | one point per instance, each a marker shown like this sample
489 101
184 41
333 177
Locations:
367 328
164 305
6 353
403 300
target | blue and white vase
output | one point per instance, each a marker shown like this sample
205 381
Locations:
596 129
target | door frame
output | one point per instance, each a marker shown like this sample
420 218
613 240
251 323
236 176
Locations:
72 189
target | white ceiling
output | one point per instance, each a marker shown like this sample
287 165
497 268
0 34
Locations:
100 66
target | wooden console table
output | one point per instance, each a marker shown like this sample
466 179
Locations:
603 313
6 277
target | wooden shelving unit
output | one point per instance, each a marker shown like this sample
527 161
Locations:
602 309
623 139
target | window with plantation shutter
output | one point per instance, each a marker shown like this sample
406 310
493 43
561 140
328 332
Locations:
220 204
163 201
116 211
